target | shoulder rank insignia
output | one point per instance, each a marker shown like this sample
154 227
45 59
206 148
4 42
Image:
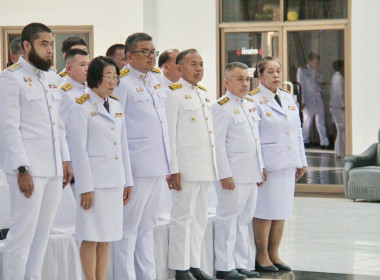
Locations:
66 87
114 97
253 92
224 101
175 86
63 74
14 67
285 90
156 70
247 98
124 72
83 98
52 68
202 88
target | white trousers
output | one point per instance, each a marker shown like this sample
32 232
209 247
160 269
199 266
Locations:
340 141
134 254
65 218
32 219
233 218
309 112
188 224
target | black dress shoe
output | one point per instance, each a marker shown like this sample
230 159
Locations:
200 275
269 268
282 266
248 273
184 275
230 275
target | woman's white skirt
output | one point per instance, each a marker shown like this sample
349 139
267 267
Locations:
104 221
275 197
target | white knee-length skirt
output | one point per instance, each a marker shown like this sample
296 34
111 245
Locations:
275 197
103 222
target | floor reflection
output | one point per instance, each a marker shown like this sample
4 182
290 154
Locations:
309 275
324 168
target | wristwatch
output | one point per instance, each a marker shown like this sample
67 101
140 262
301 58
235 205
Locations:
22 170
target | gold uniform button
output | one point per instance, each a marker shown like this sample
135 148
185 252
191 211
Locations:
206 118
152 93
46 91
95 104
156 107
288 133
289 148
210 131
53 123
50 107
253 127
212 146
258 151
162 121
286 117
35 71
256 139
203 105
112 128
55 139
115 143
116 158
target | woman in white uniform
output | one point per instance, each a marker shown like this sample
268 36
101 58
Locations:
284 159
99 152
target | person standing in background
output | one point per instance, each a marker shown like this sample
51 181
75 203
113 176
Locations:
116 52
167 63
337 107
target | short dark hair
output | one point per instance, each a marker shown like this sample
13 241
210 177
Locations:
165 56
338 64
95 70
112 50
72 41
182 54
31 32
73 52
260 68
231 66
132 40
311 56
15 46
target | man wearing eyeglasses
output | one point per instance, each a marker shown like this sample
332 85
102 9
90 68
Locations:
142 96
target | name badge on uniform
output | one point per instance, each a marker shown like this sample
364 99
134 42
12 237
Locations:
292 108
156 87
118 115
188 97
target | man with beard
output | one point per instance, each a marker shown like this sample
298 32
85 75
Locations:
36 159
193 166
143 98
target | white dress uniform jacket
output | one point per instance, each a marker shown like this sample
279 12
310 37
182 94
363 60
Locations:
238 151
189 116
70 91
280 130
33 134
99 159
143 99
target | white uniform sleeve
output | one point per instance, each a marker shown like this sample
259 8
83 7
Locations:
125 152
10 123
220 122
77 138
172 109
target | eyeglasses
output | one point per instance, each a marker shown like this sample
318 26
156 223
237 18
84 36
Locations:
147 53
111 78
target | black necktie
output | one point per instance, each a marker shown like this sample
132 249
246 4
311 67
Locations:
277 99
106 105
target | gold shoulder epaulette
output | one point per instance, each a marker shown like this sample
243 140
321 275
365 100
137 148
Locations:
66 87
285 90
253 92
124 72
224 101
156 70
114 97
202 88
83 98
175 86
53 68
63 74
247 98
14 67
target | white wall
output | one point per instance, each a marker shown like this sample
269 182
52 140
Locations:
365 73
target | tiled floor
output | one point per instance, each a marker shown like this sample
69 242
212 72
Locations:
323 168
338 238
